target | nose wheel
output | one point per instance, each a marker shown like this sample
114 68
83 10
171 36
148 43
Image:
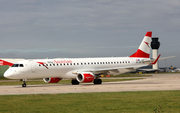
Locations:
24 83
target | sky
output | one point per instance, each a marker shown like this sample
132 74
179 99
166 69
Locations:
34 29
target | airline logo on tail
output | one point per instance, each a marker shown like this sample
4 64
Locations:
147 44
144 48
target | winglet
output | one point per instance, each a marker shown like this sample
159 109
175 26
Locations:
156 60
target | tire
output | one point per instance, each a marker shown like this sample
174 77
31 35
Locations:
74 82
23 85
97 81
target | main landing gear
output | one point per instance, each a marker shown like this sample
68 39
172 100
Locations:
24 83
74 82
97 81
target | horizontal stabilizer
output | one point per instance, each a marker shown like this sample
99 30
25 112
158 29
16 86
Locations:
166 57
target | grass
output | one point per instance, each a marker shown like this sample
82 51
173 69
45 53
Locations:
36 82
2 78
112 102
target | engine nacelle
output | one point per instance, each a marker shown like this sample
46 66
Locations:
85 77
52 80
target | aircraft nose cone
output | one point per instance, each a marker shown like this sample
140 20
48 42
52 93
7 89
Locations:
8 74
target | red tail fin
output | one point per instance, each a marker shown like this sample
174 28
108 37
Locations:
144 48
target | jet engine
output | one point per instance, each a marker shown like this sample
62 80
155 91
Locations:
52 80
85 77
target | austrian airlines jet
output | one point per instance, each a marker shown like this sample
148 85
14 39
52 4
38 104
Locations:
81 69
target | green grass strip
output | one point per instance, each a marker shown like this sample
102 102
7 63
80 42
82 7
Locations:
112 102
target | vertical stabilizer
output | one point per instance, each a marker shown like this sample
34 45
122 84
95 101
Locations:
144 48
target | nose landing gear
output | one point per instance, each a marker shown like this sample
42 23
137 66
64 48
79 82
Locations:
24 83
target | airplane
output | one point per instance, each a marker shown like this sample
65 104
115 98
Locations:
81 69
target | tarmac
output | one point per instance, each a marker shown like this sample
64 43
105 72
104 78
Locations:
156 82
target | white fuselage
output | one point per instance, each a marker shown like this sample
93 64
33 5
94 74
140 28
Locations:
68 67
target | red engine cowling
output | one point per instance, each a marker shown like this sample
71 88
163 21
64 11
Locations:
52 80
85 77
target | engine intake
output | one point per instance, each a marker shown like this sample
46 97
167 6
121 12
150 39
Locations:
52 80
85 77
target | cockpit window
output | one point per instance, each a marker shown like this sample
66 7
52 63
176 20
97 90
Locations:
15 65
21 65
18 65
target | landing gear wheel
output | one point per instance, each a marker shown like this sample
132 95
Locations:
97 81
24 83
74 82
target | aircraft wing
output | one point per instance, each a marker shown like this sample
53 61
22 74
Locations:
116 70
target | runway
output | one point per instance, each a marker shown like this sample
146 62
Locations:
157 82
